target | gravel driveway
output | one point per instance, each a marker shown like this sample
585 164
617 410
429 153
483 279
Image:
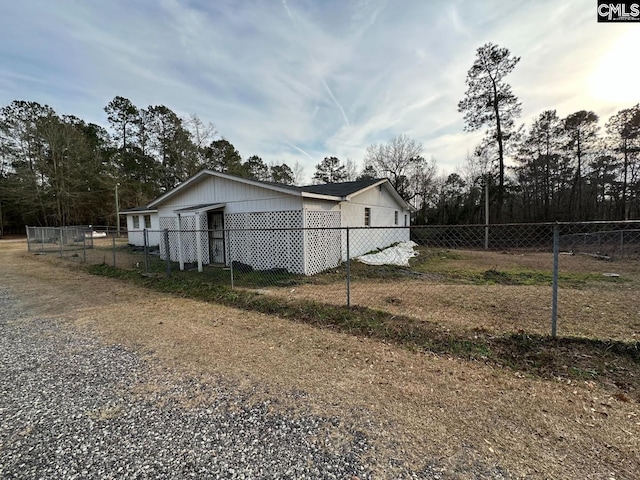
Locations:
75 407
68 410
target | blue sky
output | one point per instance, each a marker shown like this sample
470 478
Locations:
298 80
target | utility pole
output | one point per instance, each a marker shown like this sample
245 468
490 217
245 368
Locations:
117 212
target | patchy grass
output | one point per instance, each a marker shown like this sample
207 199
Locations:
453 267
607 361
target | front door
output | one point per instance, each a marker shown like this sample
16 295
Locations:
216 237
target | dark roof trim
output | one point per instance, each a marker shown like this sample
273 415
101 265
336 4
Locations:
204 207
139 210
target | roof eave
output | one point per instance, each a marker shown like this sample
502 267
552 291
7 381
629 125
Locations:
373 185
393 191
319 196
146 210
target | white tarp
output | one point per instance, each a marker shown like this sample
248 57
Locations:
397 255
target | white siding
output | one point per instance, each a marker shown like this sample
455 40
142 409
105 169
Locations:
238 197
317 204
383 206
135 236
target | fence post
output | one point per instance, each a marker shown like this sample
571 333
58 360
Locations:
84 247
554 300
167 251
60 239
230 258
180 257
42 244
621 243
26 227
113 244
348 272
486 215
146 251
198 242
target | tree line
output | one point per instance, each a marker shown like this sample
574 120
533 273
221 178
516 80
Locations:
562 169
60 170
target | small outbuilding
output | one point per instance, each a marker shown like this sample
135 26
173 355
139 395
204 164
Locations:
217 218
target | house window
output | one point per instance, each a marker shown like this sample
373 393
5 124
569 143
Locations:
406 220
367 217
136 221
147 221
395 217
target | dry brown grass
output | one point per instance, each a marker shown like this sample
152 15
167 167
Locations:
606 309
426 406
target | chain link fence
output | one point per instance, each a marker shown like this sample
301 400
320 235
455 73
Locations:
516 277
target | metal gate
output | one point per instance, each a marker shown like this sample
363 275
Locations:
216 238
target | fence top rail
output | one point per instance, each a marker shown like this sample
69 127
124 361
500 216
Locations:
281 229
408 227
529 224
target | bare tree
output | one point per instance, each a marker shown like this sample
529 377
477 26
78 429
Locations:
350 170
298 173
201 133
398 160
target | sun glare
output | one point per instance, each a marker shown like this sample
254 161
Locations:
616 77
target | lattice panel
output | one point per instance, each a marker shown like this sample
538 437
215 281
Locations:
169 223
188 239
256 239
322 243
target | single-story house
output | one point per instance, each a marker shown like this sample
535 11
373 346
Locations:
217 218
139 220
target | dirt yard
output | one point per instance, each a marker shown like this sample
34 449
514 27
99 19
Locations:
464 416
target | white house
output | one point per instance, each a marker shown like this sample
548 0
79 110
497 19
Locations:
140 219
217 218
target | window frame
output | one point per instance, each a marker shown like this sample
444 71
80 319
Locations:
367 216
147 224
136 221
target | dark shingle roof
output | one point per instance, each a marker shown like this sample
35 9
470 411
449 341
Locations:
341 189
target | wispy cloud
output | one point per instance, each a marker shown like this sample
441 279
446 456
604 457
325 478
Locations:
301 80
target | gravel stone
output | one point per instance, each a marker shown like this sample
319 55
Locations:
69 410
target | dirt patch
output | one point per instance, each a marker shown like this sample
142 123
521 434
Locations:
424 406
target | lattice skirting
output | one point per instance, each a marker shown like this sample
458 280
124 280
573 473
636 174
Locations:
322 247
184 243
263 240
254 238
